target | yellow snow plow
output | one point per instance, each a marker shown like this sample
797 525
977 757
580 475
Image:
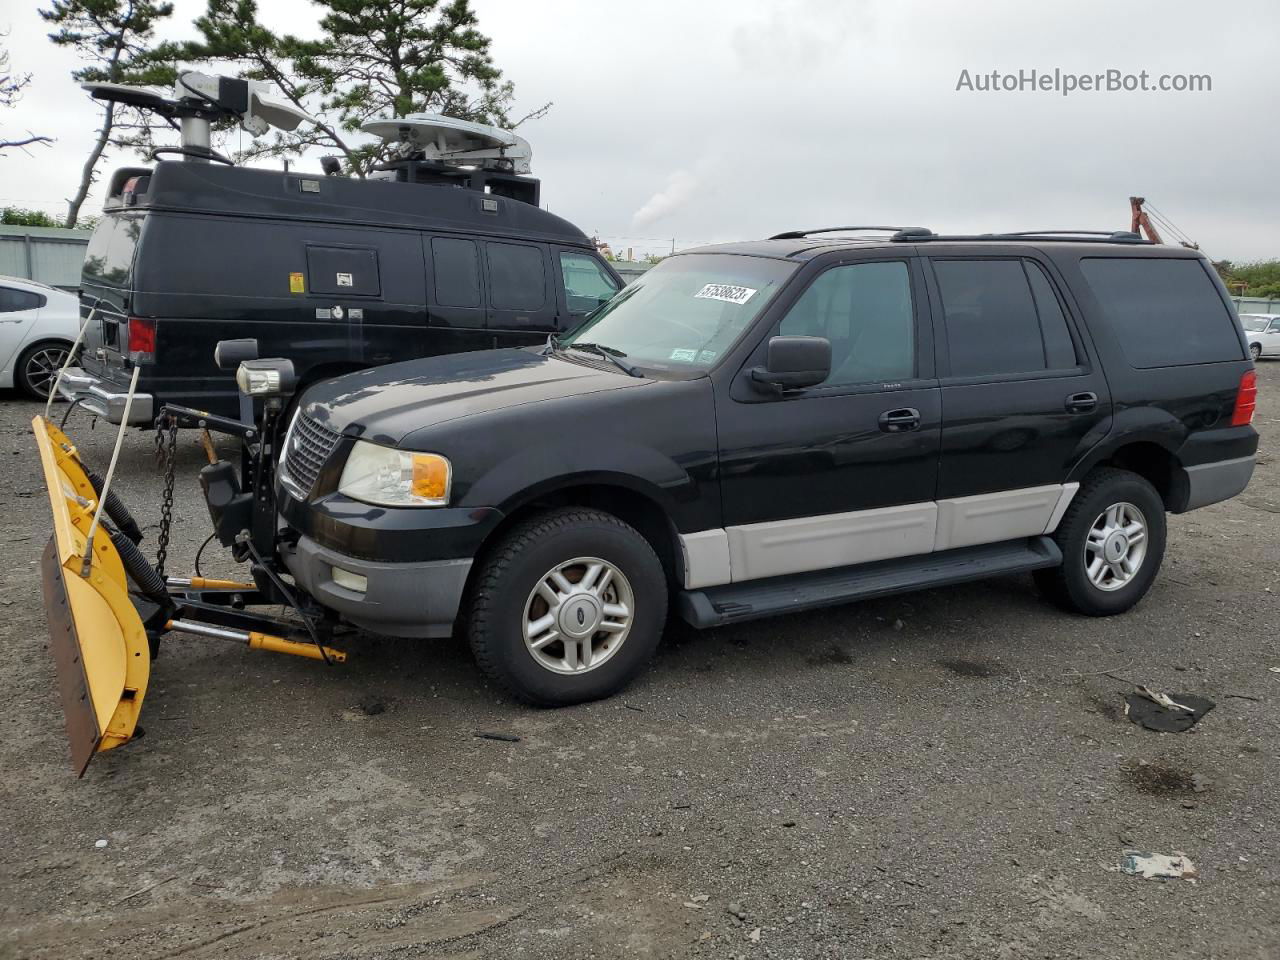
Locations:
97 639
107 606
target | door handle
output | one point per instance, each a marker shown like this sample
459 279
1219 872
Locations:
1081 402
900 421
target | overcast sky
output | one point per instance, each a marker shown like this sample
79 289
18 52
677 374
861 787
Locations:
705 121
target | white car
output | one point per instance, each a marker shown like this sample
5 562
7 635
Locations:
38 326
1263 333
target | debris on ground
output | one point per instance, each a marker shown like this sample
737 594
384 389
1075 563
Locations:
1165 713
754 935
371 706
100 844
1158 866
504 737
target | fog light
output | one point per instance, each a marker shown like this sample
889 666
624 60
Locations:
349 580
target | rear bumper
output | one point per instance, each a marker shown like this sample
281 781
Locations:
1212 482
418 599
105 399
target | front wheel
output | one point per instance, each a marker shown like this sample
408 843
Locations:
568 607
1255 350
1112 539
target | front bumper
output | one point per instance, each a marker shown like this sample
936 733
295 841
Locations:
105 399
413 599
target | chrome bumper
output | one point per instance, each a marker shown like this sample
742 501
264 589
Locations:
105 399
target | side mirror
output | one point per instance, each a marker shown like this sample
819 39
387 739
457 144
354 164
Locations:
794 363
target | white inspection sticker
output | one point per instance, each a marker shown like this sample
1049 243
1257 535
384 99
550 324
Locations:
683 355
726 292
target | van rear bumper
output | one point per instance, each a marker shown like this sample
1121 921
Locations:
105 399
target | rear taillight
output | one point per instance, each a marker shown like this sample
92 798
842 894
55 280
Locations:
1246 400
142 338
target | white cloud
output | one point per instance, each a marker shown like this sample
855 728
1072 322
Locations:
679 189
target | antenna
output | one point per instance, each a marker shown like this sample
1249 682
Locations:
199 99
436 138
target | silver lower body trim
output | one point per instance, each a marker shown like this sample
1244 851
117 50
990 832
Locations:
776 548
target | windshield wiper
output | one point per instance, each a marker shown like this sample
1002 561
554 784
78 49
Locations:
611 354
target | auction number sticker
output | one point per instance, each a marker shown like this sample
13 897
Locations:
726 292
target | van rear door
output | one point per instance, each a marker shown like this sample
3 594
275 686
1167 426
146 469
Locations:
106 291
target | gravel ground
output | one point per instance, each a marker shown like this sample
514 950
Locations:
945 774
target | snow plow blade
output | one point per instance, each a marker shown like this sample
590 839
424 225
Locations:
97 639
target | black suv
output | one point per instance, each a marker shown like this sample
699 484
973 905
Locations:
756 428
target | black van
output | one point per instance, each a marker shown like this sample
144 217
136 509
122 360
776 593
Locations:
335 273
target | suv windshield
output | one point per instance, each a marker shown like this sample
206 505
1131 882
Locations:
1255 324
683 315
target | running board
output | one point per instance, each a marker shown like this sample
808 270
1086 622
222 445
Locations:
734 602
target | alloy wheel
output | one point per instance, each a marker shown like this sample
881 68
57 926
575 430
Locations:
1116 546
578 615
42 368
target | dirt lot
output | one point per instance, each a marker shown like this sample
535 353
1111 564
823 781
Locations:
923 776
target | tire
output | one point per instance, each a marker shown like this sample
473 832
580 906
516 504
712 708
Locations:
510 595
1118 589
1255 351
38 367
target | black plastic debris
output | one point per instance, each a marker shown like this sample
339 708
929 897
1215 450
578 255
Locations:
504 737
1165 713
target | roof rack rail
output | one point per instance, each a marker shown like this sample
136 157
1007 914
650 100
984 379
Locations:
801 234
1069 236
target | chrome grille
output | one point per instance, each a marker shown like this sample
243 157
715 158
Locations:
310 444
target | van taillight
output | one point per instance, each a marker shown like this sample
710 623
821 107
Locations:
1246 400
142 338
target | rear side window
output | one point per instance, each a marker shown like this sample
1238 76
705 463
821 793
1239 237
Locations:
11 301
1002 318
343 271
517 278
1165 312
455 267
1059 351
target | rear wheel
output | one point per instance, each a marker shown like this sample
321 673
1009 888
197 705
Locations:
569 607
1112 539
1255 350
38 368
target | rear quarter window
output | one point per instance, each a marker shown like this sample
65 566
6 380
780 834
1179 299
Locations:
1164 312
109 257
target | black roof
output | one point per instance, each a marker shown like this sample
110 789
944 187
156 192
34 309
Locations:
249 192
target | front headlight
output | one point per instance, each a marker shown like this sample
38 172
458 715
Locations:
395 478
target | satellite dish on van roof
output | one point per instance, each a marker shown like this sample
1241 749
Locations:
443 139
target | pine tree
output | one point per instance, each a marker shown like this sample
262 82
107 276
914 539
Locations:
115 39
